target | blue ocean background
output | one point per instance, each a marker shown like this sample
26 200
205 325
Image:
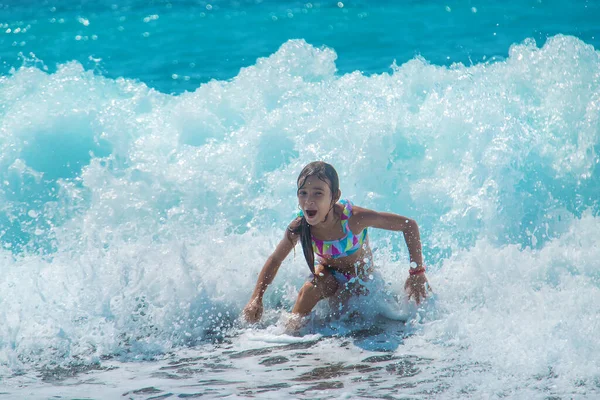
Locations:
150 149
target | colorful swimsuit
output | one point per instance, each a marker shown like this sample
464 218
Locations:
345 246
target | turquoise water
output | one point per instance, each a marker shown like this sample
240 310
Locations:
149 152
175 46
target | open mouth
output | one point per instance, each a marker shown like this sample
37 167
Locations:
311 213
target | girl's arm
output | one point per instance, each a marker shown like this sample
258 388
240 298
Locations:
253 310
393 222
416 283
271 266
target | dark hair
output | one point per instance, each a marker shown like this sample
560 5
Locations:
327 174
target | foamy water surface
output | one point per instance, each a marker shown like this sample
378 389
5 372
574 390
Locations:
134 222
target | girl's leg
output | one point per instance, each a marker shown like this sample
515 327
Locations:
322 286
339 302
351 288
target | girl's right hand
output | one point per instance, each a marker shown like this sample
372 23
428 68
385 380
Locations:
253 310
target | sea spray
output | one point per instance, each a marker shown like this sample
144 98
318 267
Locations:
135 222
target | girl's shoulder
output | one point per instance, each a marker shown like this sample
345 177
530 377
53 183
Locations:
361 218
355 216
349 209
363 213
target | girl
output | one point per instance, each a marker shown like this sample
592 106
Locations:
337 233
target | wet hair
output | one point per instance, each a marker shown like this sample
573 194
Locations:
326 173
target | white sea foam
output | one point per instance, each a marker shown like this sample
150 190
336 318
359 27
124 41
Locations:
134 222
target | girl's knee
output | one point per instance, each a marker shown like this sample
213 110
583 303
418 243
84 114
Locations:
309 289
308 297
322 286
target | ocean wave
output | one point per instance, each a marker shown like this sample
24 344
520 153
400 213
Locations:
134 221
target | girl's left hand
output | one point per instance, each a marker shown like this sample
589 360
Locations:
416 286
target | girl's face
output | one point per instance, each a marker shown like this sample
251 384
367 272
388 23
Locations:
315 198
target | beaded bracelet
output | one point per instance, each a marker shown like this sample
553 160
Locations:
417 271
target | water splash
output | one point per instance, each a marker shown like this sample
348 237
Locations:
135 221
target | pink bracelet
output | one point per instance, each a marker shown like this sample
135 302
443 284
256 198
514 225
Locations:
417 271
